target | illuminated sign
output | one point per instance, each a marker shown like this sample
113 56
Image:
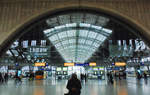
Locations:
58 69
120 64
92 64
101 68
40 64
68 64
79 64
64 68
95 68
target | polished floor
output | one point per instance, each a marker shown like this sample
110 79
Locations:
130 86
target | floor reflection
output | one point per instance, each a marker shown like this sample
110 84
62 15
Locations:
122 91
92 87
39 91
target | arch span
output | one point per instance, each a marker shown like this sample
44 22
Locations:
18 30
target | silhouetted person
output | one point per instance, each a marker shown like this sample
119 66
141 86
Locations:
31 77
17 78
145 75
111 78
74 85
85 76
108 75
124 75
138 75
119 76
1 78
6 77
82 77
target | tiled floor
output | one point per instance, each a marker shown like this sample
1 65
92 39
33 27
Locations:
130 86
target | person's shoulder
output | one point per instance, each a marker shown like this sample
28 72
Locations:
70 79
78 80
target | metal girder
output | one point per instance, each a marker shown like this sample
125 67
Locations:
56 31
79 44
82 52
84 49
74 37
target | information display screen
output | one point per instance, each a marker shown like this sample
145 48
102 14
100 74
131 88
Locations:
92 64
65 69
120 64
58 69
101 68
39 64
68 64
95 68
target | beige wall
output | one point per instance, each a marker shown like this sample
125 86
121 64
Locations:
16 13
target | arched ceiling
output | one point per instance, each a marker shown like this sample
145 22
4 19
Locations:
77 35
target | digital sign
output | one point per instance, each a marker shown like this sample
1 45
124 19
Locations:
95 68
68 64
79 64
92 64
39 64
120 64
65 69
58 69
101 68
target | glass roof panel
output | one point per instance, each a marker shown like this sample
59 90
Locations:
65 42
83 33
96 44
96 27
84 25
52 22
71 33
64 19
62 35
75 33
102 21
58 45
53 38
90 18
89 42
81 40
72 40
92 35
100 37
59 27
71 25
107 30
77 17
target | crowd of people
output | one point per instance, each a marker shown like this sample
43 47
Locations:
18 78
115 75
139 75
83 77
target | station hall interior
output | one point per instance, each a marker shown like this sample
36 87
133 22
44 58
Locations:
108 51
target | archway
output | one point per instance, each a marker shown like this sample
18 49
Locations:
108 12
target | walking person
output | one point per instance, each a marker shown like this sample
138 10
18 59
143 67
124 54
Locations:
1 78
85 77
145 75
111 78
6 77
119 76
74 85
81 77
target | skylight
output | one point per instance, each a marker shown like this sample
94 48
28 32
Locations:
77 37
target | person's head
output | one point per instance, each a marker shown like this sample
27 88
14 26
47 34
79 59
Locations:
74 76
